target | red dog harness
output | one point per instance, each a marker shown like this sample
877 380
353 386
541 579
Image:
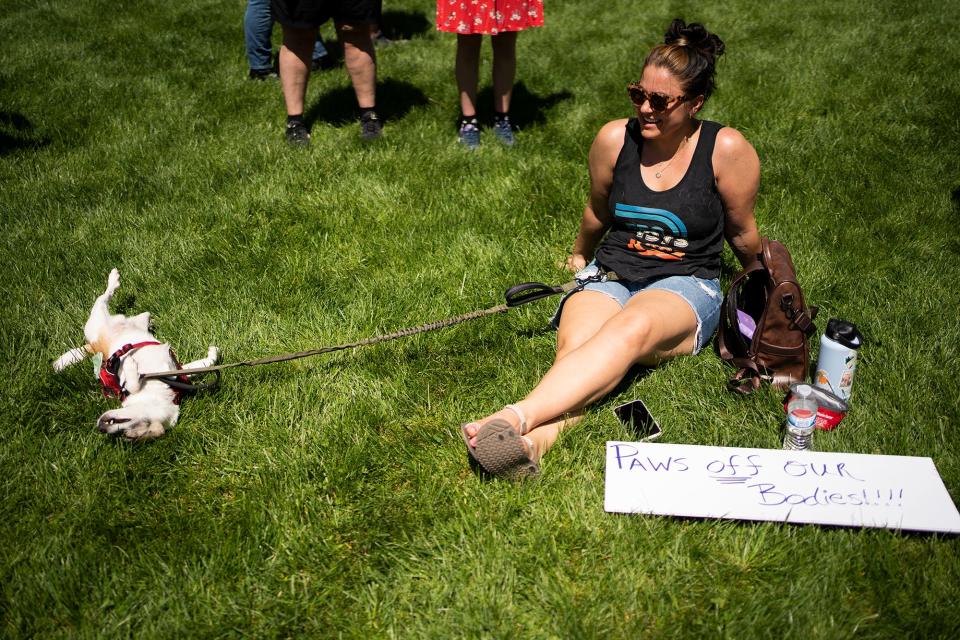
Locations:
110 372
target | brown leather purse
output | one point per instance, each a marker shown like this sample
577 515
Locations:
766 294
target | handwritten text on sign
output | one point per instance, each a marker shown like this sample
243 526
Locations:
849 489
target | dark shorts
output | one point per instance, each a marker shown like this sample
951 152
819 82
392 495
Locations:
309 14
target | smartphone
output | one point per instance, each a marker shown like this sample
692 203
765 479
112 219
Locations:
636 417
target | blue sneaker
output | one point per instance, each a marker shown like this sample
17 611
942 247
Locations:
469 135
503 131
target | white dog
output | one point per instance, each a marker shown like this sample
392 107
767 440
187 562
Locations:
129 350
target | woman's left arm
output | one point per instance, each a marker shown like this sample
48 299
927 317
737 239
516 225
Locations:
737 170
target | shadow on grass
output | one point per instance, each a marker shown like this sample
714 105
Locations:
16 132
339 107
403 25
526 109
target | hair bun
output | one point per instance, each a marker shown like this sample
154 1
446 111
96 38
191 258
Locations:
695 36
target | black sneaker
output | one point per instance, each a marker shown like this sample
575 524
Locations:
371 127
262 74
297 134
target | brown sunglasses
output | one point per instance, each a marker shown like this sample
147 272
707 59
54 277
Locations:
658 101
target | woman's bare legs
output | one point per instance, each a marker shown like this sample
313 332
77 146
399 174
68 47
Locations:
653 327
583 315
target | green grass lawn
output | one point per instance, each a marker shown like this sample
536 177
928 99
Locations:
331 496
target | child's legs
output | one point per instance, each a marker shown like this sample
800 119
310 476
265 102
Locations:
467 72
504 69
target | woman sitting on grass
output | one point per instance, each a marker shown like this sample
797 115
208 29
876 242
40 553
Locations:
665 189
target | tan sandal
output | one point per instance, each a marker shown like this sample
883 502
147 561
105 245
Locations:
500 449
472 451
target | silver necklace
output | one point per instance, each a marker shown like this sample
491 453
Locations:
659 174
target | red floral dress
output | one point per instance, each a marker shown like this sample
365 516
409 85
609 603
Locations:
488 17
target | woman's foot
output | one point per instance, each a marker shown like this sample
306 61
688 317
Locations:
499 446
511 413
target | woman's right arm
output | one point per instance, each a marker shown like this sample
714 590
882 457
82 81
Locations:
596 218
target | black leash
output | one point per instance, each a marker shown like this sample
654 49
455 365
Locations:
515 296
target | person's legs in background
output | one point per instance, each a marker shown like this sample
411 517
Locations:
467 70
361 61
294 74
257 25
257 38
504 73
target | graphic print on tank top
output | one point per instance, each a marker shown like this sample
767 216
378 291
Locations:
656 234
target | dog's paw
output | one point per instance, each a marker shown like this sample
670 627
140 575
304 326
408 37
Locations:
113 281
213 354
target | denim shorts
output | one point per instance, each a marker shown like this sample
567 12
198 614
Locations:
703 296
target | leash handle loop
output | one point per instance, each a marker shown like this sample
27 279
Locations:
528 292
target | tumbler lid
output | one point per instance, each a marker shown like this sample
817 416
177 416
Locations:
844 332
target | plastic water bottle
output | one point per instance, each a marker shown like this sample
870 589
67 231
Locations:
801 418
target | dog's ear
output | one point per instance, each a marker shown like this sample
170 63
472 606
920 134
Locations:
71 357
130 375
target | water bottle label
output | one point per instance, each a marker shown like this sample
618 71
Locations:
822 380
802 419
846 378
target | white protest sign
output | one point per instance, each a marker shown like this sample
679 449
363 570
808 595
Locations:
848 489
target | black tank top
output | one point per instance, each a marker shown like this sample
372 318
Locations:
656 234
